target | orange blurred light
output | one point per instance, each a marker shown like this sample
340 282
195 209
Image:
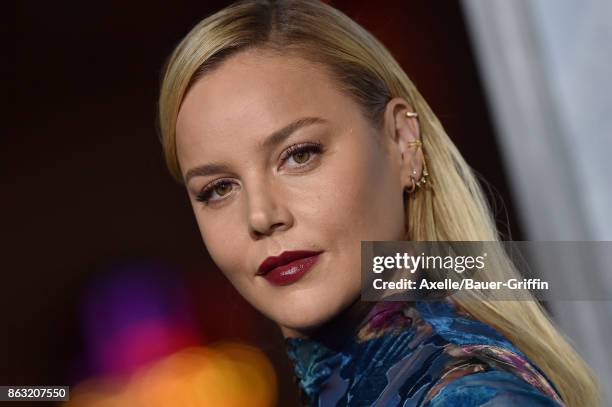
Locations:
226 374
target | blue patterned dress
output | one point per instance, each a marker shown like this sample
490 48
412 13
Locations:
419 354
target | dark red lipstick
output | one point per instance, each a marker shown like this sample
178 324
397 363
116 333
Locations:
288 267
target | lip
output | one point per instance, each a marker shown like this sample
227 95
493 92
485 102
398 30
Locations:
288 267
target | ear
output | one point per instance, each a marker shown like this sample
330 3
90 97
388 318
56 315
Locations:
402 132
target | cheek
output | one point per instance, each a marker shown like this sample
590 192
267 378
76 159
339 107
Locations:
222 242
365 199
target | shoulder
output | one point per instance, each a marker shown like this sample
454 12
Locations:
481 365
491 388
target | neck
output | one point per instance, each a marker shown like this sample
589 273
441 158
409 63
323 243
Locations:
334 332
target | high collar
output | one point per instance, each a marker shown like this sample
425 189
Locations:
374 340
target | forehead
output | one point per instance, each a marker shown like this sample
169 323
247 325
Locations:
254 93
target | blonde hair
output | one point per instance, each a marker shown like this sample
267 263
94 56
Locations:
454 210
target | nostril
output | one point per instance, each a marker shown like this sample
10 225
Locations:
276 225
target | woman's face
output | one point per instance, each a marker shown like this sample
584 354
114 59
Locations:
344 188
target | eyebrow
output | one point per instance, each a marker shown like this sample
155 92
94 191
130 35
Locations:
273 139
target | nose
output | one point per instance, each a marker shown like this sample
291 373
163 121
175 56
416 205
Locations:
267 210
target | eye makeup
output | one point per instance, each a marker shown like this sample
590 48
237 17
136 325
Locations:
313 149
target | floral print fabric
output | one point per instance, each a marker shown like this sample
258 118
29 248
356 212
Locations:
424 354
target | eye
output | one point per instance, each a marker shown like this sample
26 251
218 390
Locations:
302 154
221 188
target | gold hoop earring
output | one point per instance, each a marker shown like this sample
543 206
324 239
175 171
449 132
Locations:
417 184
408 192
413 186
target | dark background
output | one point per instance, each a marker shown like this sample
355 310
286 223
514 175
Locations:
84 182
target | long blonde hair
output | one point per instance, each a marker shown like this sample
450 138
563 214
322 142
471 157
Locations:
455 210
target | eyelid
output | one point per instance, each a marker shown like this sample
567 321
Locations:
208 189
317 147
289 151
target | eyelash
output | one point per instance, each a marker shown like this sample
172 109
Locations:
317 148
